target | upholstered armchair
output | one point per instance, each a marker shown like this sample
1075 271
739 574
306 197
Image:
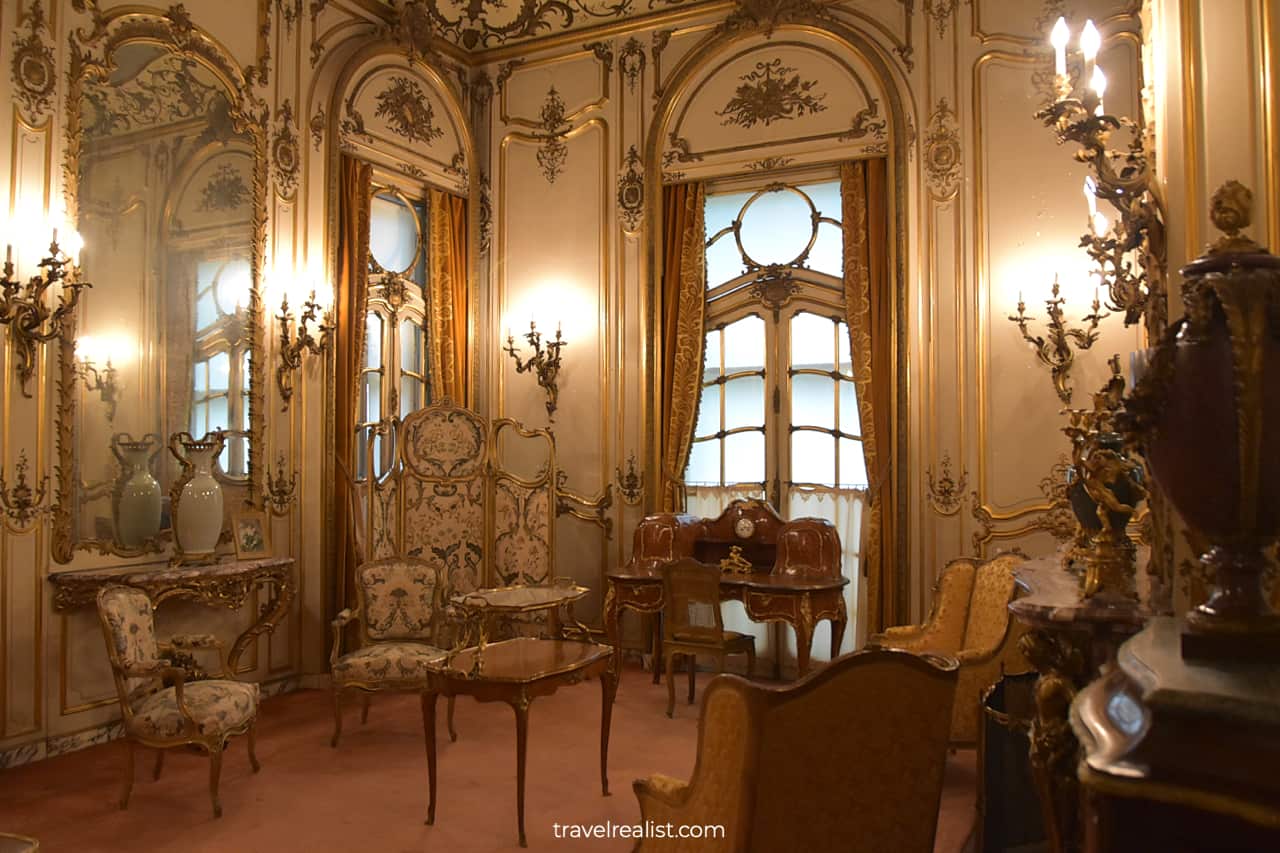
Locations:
399 614
848 759
203 713
969 620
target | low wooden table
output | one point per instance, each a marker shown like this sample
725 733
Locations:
511 601
516 672
224 584
801 602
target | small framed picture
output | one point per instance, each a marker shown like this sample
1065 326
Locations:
252 535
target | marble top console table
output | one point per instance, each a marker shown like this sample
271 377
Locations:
224 584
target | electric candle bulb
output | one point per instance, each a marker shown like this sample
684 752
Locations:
1059 37
1099 85
1091 195
1099 222
1090 42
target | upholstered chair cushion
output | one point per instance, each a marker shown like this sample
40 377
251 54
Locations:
130 620
386 663
216 706
989 604
399 596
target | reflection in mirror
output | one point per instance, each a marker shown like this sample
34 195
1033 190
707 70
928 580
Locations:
164 339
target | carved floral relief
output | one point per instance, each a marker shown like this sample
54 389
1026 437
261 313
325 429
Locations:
406 110
773 91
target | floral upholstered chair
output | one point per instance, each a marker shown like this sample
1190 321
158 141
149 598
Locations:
970 621
200 713
398 608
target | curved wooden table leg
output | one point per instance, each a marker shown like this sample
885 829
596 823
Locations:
521 706
838 626
804 635
429 732
271 614
611 615
608 690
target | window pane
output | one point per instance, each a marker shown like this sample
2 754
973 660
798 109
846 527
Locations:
850 421
704 464
827 254
220 372
813 341
199 420
744 458
744 345
708 411
744 402
721 210
813 458
711 356
371 409
362 444
200 378
372 340
410 395
826 197
246 375
853 466
218 413
842 343
777 227
410 346
233 286
233 455
393 233
813 401
724 261
206 312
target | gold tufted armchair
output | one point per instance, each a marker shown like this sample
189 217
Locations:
201 713
970 621
849 759
398 608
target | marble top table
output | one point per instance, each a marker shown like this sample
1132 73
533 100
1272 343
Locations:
223 584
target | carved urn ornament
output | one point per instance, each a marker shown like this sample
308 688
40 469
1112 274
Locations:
1207 410
197 496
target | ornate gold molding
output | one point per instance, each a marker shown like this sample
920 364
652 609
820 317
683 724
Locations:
285 157
34 73
23 504
942 155
631 192
630 483
946 493
552 149
631 62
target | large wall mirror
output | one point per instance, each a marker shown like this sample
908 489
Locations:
165 179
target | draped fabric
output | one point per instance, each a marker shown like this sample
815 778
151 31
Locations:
869 311
684 292
447 302
351 274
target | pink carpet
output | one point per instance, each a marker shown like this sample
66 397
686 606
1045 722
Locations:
370 793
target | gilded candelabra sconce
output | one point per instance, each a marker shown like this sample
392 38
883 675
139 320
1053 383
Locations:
280 489
104 381
1104 485
1121 178
1054 348
25 307
946 493
23 504
295 344
544 363
630 482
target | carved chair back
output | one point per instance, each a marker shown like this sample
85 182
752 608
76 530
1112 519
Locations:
128 624
691 602
808 547
400 600
993 589
661 538
450 497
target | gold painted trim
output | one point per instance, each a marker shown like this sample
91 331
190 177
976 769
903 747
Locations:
1191 42
1269 79
598 104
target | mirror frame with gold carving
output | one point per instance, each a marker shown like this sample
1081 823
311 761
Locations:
90 60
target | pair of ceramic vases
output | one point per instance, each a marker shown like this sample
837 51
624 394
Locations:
196 505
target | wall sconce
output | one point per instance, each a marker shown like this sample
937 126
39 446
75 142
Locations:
545 363
293 345
25 309
104 381
1054 349
1122 179
22 504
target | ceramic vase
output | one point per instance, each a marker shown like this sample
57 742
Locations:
197 497
137 504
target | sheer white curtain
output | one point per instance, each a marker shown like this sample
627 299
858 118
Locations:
842 507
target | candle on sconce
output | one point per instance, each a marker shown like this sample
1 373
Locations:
1059 37
1090 42
1098 82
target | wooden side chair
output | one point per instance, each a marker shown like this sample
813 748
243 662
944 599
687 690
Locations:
693 625
205 714
399 611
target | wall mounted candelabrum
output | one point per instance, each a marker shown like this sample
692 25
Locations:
23 504
104 381
296 342
280 489
544 363
36 311
630 482
1054 348
1131 251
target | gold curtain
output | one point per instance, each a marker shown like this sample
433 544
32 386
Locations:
447 302
351 293
868 295
684 293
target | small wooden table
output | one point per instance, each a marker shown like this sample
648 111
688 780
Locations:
509 601
223 584
801 602
517 671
